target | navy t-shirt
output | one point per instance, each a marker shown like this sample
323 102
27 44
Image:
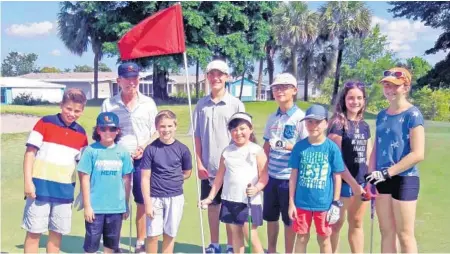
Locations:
354 146
166 163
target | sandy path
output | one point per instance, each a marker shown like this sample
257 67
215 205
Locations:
14 123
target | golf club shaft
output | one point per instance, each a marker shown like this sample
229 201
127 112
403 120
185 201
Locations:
249 224
131 226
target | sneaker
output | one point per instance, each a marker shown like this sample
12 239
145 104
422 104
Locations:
212 249
140 248
229 250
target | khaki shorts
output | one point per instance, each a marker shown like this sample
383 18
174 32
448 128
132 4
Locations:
42 216
167 216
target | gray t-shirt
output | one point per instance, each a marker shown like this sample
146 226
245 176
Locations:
167 163
210 125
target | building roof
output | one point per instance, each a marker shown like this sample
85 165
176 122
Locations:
27 83
71 76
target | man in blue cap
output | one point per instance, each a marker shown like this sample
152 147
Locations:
137 114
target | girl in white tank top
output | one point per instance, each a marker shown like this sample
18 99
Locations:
243 174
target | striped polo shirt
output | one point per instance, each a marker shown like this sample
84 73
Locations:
138 124
289 128
54 166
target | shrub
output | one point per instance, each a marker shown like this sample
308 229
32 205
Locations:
434 104
29 100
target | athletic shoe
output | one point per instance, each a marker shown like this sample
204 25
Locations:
212 249
140 248
229 250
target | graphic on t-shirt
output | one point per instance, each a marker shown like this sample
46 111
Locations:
359 143
314 170
108 167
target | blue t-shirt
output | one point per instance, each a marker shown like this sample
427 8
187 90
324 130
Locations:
106 166
167 163
316 165
393 142
354 146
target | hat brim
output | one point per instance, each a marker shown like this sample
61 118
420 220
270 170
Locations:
320 118
282 83
393 80
223 71
130 75
107 125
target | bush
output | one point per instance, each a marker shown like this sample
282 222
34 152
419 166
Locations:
434 104
28 100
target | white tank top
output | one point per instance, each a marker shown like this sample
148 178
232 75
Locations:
240 170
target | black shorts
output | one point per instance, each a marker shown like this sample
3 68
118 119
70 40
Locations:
106 225
404 188
206 188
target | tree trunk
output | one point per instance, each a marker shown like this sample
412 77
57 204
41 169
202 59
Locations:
305 94
197 89
242 83
260 76
337 75
160 83
294 62
96 60
270 52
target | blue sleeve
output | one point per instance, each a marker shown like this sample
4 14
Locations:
294 160
416 119
186 159
85 165
127 164
146 161
337 164
337 129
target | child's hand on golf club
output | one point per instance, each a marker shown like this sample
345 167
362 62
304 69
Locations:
358 190
204 203
126 214
89 215
138 153
202 172
30 190
333 214
251 190
292 212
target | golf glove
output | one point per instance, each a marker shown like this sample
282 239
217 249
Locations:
334 212
378 176
79 202
277 144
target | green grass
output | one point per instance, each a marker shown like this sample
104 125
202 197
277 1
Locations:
432 228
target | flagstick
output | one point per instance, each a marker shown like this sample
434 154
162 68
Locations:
193 144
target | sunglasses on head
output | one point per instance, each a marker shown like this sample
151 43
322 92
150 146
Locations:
282 87
397 74
107 128
354 84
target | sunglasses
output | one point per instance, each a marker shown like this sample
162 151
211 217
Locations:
397 74
107 128
354 84
282 87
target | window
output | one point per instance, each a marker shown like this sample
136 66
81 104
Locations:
3 95
115 89
146 88
169 88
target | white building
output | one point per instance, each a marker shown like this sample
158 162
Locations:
11 87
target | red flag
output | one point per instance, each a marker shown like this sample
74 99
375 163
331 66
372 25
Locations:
159 34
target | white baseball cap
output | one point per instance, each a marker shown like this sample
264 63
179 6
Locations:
284 78
218 65
241 115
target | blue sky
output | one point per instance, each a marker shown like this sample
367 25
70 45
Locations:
30 27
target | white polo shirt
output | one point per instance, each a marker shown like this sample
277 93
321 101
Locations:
137 125
289 128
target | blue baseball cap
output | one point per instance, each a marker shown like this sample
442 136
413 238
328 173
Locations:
316 112
107 119
128 70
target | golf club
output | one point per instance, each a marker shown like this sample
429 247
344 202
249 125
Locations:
131 225
372 212
249 219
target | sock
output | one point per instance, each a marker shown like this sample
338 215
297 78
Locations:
139 243
216 245
229 247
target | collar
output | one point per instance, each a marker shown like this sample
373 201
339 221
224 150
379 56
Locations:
289 112
63 124
225 99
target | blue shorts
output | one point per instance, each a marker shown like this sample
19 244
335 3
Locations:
276 201
404 188
137 192
206 188
108 225
346 190
237 213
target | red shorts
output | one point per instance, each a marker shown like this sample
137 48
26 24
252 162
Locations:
302 224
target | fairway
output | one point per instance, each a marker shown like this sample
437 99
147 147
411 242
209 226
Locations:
432 226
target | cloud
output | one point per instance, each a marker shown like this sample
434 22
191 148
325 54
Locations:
30 29
402 33
55 52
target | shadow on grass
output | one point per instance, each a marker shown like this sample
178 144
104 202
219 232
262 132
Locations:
74 244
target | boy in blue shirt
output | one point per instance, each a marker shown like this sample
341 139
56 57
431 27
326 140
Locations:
105 171
315 182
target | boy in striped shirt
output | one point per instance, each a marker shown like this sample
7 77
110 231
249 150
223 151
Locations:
49 172
283 129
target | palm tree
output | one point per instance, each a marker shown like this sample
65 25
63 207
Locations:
76 28
342 20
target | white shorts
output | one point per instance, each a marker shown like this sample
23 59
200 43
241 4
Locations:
167 216
41 216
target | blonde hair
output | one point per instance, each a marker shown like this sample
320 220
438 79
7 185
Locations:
165 114
74 95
